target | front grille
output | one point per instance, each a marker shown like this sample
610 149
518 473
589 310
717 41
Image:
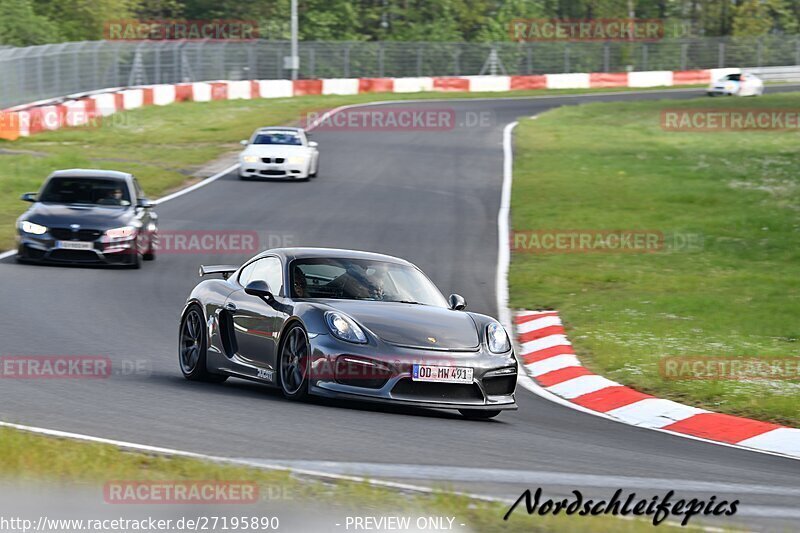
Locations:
78 256
66 234
269 160
440 392
500 385
273 173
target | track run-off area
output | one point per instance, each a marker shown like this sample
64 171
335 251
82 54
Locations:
431 197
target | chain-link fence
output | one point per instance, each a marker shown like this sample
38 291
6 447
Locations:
40 72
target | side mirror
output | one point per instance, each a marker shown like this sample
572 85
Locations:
258 288
144 203
457 302
28 197
243 142
313 144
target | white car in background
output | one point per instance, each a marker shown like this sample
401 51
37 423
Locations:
737 84
279 153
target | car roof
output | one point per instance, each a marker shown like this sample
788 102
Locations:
312 253
287 129
90 173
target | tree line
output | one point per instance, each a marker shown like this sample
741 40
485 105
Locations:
31 22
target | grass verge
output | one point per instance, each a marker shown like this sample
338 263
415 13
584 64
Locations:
28 457
733 291
162 146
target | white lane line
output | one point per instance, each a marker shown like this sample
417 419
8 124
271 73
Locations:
523 379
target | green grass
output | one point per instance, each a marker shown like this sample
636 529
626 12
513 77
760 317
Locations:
611 166
162 146
28 457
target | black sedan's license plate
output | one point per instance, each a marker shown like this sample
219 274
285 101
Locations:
442 374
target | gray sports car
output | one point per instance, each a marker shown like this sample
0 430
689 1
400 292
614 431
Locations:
346 324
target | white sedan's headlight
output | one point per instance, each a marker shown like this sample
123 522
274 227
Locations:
250 159
30 227
497 338
345 328
297 160
120 234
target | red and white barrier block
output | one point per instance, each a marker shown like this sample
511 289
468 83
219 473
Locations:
549 359
23 121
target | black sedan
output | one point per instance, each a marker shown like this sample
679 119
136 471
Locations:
346 324
88 216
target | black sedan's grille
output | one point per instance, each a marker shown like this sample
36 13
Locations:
440 392
66 234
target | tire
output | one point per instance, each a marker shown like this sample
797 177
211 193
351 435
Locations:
192 345
316 171
293 366
478 414
136 262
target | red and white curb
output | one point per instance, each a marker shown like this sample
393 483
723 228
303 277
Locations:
548 357
81 109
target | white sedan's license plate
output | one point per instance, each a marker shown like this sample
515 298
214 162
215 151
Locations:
76 245
442 374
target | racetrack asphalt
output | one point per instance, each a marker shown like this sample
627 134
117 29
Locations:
431 197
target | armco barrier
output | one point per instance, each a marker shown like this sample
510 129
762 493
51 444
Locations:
79 110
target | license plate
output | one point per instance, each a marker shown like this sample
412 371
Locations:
76 245
442 374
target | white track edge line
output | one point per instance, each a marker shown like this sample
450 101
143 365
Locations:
503 262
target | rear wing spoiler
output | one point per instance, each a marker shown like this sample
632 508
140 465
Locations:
225 270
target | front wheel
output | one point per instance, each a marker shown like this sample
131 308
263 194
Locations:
192 349
294 364
478 414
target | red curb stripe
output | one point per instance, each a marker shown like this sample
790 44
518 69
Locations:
724 428
564 374
522 319
547 353
540 333
451 84
610 398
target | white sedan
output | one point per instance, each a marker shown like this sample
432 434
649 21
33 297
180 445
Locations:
743 84
282 153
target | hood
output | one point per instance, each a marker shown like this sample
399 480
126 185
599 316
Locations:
275 150
89 217
413 325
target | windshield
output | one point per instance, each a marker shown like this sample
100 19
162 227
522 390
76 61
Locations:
85 190
274 137
362 279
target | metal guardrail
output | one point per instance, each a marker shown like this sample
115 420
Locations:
778 74
41 72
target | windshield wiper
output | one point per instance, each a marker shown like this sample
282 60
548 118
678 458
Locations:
408 302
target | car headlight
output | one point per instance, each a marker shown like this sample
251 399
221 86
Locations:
297 160
497 338
345 328
250 159
120 234
30 227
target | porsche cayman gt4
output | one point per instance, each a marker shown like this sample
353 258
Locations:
346 324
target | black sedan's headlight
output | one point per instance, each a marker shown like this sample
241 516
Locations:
26 226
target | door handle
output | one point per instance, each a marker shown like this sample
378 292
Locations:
230 306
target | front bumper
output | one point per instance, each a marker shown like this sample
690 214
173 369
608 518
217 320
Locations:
283 170
492 388
45 249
